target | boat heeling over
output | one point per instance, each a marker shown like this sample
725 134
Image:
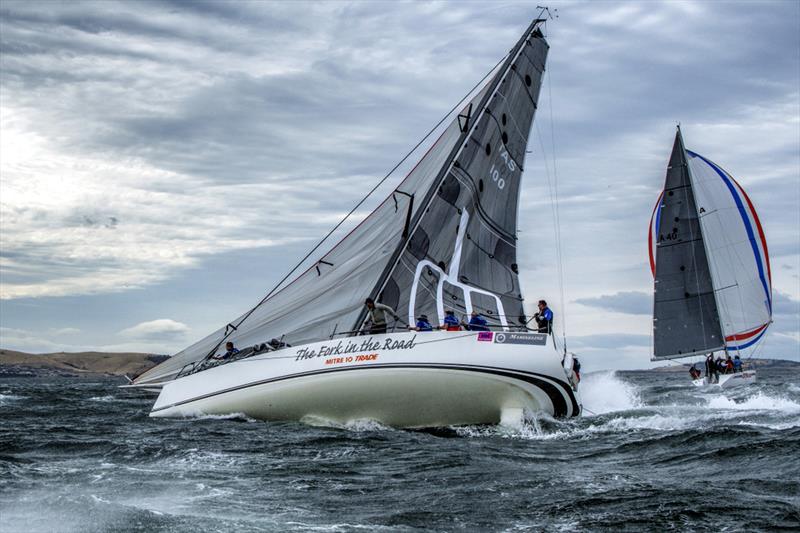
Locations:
444 241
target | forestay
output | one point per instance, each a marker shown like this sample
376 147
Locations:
454 214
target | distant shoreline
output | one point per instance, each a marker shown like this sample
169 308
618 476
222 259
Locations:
21 364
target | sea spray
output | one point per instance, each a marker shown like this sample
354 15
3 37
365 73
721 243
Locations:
605 392
759 401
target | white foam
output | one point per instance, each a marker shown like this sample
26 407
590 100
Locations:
778 427
366 424
108 398
6 399
605 392
357 425
229 416
758 402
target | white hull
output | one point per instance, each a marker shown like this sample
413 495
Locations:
729 381
402 379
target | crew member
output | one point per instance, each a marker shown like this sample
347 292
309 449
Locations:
276 344
422 324
711 369
377 315
451 323
544 318
737 364
230 351
477 322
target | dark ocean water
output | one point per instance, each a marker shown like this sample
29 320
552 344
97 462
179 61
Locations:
656 454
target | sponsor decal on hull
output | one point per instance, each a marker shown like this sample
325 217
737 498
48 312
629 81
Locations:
352 359
367 345
538 339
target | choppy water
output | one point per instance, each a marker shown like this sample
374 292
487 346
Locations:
656 454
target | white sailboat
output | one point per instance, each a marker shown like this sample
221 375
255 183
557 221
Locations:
444 239
709 258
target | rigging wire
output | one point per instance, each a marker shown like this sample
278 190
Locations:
556 232
229 331
555 206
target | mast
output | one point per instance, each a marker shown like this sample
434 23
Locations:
470 125
699 210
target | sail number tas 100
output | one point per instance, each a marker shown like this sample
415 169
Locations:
494 173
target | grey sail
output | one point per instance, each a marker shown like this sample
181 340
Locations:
461 255
475 164
685 317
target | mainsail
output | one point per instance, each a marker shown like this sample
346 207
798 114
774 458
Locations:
444 239
709 258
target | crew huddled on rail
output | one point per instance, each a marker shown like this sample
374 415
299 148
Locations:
376 320
715 367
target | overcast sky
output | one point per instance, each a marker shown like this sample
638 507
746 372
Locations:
164 163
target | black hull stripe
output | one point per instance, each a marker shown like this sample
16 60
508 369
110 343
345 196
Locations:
556 396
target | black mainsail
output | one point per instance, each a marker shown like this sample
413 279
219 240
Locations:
685 317
444 239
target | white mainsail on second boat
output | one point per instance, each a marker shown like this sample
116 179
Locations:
709 258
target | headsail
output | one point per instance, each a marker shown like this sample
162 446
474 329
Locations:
685 317
737 253
734 252
454 214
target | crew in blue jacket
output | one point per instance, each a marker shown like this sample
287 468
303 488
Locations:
544 318
451 323
423 324
230 351
477 322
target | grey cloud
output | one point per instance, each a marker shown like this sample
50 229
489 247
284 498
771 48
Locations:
784 304
215 121
630 302
108 222
610 341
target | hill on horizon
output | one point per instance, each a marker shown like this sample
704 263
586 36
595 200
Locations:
13 362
